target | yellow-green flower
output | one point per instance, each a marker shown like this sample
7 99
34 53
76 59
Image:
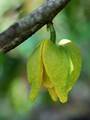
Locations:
56 67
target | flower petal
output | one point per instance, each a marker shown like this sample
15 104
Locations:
74 55
53 94
46 80
56 65
35 71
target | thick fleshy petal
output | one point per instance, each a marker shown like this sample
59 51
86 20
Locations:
35 71
47 83
46 80
56 65
73 52
53 94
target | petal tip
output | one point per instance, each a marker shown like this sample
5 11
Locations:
63 99
64 41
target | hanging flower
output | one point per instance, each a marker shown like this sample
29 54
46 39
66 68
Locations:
56 67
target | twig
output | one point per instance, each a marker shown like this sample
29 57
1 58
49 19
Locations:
27 26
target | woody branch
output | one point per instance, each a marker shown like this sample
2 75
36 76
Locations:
27 26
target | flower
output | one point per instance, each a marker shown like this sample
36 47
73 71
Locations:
56 67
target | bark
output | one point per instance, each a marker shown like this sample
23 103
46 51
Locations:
27 26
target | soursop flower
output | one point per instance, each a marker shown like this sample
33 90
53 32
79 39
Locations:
55 67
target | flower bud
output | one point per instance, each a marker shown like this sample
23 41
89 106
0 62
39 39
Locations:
56 67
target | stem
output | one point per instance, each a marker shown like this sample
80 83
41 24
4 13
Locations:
50 26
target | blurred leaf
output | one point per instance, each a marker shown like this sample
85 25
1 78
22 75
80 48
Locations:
9 69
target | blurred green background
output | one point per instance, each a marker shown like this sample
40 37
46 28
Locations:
72 23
